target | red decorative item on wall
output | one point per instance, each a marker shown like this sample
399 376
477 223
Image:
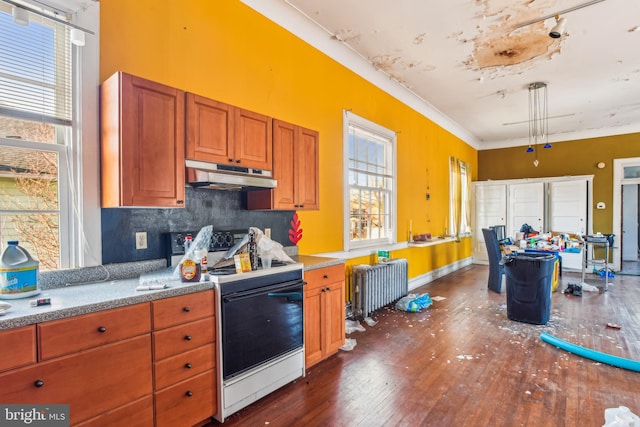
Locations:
295 234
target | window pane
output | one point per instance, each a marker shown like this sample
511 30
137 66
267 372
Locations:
632 172
37 233
29 206
26 130
28 179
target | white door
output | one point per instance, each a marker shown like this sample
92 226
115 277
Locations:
630 222
490 201
568 207
526 206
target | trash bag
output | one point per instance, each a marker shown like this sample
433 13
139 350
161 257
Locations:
620 417
413 303
526 229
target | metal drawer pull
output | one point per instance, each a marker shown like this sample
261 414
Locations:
187 309
38 383
188 366
102 329
189 393
187 337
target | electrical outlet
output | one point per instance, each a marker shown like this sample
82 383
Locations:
267 232
141 240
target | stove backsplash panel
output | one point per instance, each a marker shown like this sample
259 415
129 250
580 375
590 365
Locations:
225 210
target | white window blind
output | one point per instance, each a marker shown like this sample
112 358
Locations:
35 69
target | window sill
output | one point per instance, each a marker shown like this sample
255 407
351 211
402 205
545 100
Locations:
431 242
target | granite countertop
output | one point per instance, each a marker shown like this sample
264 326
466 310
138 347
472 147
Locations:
69 300
82 299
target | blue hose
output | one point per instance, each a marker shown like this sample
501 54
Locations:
620 362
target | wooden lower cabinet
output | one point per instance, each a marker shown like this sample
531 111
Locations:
92 382
184 359
324 313
114 369
138 413
186 403
22 342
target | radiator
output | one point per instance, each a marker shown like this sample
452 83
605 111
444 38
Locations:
378 285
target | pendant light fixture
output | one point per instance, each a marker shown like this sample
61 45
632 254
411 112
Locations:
538 118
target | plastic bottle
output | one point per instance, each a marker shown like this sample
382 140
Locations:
18 273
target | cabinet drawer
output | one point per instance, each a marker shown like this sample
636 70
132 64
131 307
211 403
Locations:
134 414
324 276
70 335
182 366
174 311
181 338
186 403
91 382
21 343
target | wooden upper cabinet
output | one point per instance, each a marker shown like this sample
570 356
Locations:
295 167
253 140
221 133
142 143
307 169
209 130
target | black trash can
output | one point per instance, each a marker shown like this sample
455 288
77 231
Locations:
529 279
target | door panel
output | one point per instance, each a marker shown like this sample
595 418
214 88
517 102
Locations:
568 206
526 203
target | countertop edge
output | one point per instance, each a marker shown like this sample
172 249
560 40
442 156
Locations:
312 262
82 299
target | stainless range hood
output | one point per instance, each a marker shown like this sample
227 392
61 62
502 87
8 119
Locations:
227 177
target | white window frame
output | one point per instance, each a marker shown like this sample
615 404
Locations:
351 119
79 160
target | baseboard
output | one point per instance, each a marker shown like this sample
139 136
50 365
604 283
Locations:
429 277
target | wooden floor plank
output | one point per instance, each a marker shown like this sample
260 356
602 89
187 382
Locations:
463 362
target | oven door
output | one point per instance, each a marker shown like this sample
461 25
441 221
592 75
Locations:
261 324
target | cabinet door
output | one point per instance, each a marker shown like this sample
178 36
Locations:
313 325
210 129
253 140
306 164
22 342
91 382
526 203
284 168
186 403
142 143
135 414
568 206
334 317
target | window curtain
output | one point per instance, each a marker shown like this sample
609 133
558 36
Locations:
460 216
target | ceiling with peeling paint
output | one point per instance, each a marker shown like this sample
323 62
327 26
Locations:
466 61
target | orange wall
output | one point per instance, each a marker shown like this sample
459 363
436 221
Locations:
226 51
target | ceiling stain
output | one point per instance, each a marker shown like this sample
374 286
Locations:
514 49
500 44
345 35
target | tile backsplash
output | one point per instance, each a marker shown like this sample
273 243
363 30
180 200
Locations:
225 210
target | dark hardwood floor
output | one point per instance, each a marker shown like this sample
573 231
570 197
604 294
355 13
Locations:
461 362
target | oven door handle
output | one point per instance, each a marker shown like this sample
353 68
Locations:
273 289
